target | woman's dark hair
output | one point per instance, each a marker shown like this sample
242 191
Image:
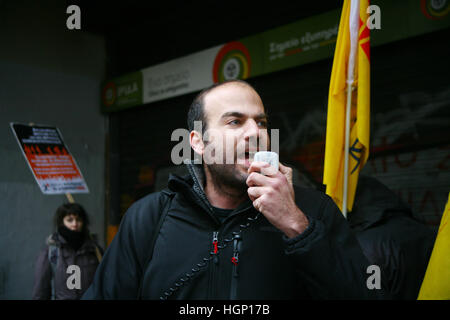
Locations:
68 209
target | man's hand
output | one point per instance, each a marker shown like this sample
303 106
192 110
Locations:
273 196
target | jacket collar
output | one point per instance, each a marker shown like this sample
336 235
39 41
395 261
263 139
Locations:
56 239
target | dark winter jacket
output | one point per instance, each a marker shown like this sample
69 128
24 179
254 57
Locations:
391 238
251 259
85 257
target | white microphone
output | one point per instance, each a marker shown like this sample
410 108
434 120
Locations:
270 158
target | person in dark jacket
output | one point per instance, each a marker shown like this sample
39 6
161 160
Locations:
391 237
226 231
71 245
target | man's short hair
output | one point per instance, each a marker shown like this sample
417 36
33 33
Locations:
197 109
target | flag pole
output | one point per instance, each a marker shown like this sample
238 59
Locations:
353 30
347 145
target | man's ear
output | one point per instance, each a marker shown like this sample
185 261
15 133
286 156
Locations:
196 141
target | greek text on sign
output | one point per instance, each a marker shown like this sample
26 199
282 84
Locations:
53 167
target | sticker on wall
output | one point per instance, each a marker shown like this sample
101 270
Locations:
109 94
49 159
435 9
232 62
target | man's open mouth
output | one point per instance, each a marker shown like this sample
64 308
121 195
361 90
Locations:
246 156
249 155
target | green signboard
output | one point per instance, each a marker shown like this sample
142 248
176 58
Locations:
288 46
122 92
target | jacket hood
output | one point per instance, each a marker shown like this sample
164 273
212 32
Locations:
52 240
191 185
194 179
374 202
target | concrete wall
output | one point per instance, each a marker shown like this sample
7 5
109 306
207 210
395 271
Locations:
48 75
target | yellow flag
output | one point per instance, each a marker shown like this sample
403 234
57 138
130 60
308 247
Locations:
333 176
436 283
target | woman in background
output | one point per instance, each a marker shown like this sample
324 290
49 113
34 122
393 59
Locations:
66 266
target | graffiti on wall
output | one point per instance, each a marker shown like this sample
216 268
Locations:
410 149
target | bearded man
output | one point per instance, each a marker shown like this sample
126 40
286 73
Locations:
227 231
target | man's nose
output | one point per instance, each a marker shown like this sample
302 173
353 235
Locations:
251 129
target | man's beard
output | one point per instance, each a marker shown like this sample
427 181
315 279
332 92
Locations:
227 179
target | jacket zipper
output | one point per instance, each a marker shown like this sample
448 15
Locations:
215 259
235 260
215 242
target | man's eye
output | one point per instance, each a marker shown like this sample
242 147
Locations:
262 124
234 122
